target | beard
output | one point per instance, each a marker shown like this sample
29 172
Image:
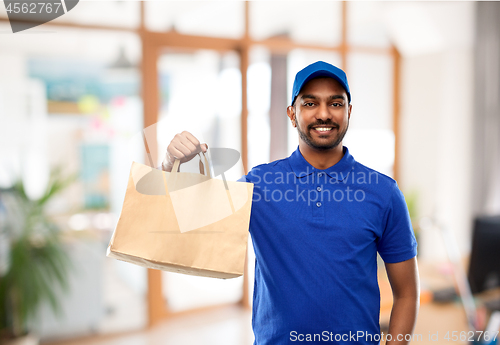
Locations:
324 145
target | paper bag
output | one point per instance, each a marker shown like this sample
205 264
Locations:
183 222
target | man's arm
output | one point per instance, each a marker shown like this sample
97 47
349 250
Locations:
405 285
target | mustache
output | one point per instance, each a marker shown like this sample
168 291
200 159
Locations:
324 123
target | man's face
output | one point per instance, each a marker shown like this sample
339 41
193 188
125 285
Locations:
321 113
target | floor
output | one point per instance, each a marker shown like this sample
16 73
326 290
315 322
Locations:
223 326
232 326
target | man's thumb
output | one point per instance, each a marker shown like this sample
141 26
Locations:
204 147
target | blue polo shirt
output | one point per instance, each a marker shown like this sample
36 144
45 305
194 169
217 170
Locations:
316 234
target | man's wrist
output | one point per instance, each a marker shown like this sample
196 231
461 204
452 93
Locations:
165 165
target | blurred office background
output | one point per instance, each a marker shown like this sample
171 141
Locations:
77 94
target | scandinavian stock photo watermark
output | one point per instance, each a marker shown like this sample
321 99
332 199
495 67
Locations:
311 186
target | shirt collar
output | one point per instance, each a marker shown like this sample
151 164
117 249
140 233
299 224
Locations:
338 171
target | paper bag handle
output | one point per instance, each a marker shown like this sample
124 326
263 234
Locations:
206 166
175 169
203 166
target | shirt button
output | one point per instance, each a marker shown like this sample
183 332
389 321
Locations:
320 174
318 189
318 204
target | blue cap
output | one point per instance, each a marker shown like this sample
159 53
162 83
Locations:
319 69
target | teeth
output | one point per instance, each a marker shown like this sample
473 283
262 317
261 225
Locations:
322 129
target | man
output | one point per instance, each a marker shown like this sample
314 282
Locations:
318 220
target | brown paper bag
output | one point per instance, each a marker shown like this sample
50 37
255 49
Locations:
183 222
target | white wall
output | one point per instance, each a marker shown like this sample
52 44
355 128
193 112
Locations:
437 124
436 142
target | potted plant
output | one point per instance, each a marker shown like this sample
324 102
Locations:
37 262
412 203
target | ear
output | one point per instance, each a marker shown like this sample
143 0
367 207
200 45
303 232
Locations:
290 111
349 112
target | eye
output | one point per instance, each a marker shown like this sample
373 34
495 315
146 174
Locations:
308 104
337 104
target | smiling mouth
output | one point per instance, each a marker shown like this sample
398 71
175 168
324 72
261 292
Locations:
324 130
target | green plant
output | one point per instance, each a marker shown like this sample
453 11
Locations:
412 202
38 262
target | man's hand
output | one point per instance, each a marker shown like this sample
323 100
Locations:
184 146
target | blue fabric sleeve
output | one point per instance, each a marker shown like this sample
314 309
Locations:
243 179
397 242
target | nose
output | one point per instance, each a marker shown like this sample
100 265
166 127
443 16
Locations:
323 112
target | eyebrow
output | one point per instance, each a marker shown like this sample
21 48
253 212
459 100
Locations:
329 98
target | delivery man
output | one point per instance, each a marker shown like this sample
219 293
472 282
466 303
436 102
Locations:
318 220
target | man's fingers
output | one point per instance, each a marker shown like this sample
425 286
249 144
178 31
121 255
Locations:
196 142
181 144
188 145
184 146
191 138
181 151
174 153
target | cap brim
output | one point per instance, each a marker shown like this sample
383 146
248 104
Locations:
319 74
